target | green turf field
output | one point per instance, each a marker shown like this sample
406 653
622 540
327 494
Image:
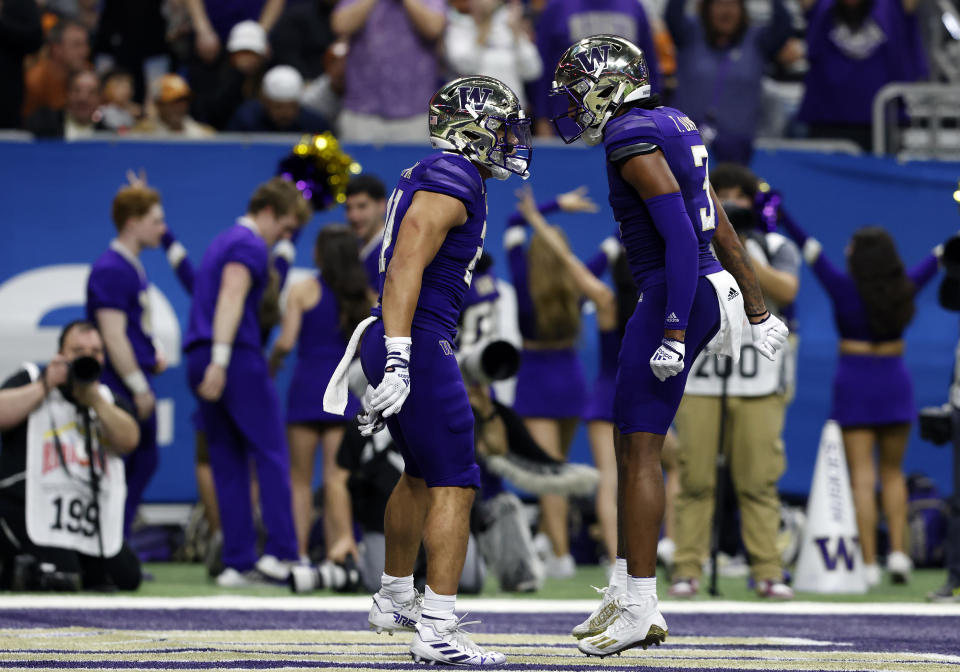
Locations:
185 580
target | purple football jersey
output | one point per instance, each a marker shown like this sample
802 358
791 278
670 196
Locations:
639 131
242 244
447 278
118 281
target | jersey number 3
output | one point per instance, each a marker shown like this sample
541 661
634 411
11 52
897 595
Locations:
707 218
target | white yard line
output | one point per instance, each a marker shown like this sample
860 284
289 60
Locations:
473 605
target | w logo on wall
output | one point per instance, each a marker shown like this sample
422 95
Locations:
473 97
597 58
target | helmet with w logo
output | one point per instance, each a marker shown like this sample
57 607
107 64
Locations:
481 118
595 77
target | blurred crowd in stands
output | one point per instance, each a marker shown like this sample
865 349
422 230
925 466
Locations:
364 69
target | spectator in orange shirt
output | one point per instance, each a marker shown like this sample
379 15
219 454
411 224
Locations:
68 52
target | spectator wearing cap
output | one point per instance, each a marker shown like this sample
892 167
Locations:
221 87
385 98
170 112
20 34
80 117
214 20
68 52
278 110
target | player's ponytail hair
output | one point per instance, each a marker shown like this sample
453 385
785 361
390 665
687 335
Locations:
881 282
338 257
556 298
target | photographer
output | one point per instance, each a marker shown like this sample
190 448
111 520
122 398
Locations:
61 511
745 405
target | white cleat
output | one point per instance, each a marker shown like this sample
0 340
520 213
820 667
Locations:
389 616
638 625
604 615
445 643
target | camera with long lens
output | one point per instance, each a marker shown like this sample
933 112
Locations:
341 577
487 362
83 371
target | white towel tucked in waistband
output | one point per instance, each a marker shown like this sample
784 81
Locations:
336 394
729 337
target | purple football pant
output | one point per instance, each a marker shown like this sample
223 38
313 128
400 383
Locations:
434 429
246 423
641 402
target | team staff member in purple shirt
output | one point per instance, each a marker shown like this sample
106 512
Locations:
118 302
855 47
873 302
385 92
239 406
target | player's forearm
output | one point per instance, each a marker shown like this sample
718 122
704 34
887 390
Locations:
347 21
119 427
227 316
179 261
120 352
17 403
735 259
681 253
401 291
428 23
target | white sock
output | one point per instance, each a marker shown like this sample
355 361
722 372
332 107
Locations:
400 588
641 587
619 578
438 607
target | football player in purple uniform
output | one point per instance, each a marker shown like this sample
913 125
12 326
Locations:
657 168
432 239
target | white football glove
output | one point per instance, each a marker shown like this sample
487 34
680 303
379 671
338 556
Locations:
769 336
668 359
369 420
395 386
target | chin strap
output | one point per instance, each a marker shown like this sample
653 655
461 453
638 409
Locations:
594 134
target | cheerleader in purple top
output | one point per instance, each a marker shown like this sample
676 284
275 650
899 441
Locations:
551 388
872 391
321 312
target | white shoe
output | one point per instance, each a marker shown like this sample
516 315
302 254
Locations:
444 642
604 615
389 616
560 567
899 565
542 546
274 569
231 578
638 625
666 549
871 573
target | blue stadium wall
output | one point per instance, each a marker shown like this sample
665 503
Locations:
55 218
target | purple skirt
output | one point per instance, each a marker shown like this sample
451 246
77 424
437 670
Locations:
305 396
550 384
870 390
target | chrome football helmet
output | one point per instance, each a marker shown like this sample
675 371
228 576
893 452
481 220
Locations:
595 77
480 118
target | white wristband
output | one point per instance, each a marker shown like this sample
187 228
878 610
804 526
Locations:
136 382
399 344
811 250
220 355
